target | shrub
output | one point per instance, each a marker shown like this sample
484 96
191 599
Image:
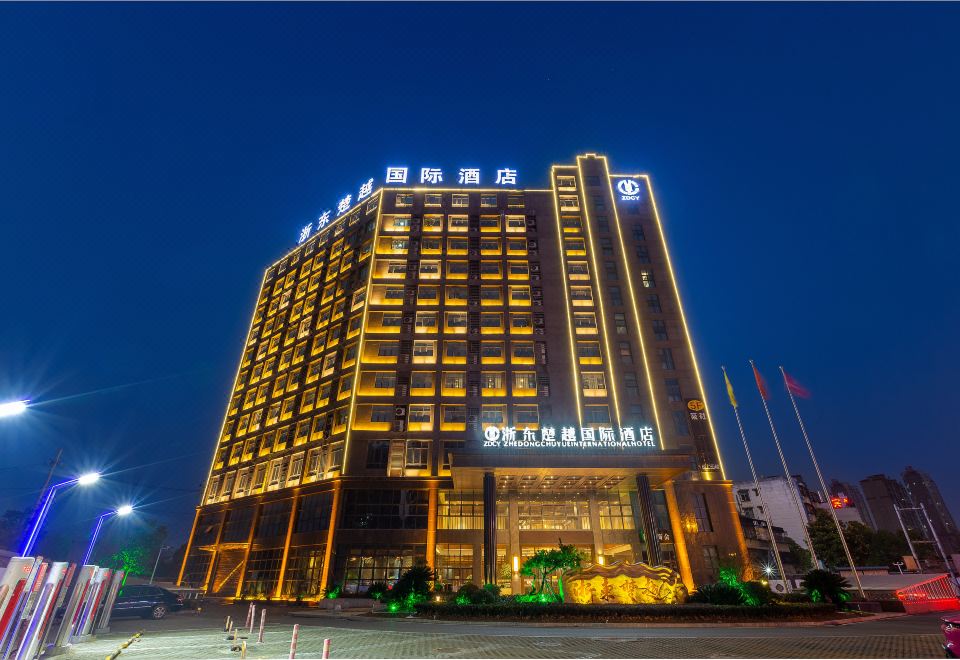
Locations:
471 594
413 586
823 585
793 597
334 591
756 593
720 593
378 590
532 611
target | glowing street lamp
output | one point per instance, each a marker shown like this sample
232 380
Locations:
31 539
124 510
13 408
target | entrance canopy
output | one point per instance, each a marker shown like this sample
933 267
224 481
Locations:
540 472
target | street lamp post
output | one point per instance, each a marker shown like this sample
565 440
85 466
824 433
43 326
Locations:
157 563
31 539
120 511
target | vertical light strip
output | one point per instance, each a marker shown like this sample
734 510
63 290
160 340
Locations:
596 278
363 332
683 318
575 361
636 312
236 376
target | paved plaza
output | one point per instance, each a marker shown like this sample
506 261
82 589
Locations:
188 635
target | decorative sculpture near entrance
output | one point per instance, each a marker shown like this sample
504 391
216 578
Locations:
625 583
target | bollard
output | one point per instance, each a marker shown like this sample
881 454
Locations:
326 649
293 641
252 617
263 620
243 650
247 624
226 624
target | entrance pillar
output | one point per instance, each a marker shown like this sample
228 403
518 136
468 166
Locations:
649 519
679 542
432 494
595 527
489 529
513 549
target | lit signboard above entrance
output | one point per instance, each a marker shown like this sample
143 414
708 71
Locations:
570 437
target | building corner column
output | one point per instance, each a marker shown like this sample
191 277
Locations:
331 536
286 543
432 496
489 529
246 553
186 552
649 519
748 573
679 541
513 548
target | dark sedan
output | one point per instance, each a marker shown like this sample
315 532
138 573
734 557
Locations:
147 601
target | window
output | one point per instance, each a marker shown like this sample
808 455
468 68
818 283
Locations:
526 415
424 352
417 455
426 321
585 322
702 513
643 254
653 303
673 390
388 349
626 354
602 223
630 384
432 222
566 182
646 279
491 352
620 321
381 413
666 359
492 415
385 380
423 414
638 233
597 414
460 200
514 201
404 199
589 352
660 330
491 380
524 380
432 199
593 384
615 297
743 494
610 269
680 423
574 246
453 381
577 270
606 248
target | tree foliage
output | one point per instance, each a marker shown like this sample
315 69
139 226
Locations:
823 585
548 566
868 547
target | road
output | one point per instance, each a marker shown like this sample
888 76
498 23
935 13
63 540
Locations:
191 635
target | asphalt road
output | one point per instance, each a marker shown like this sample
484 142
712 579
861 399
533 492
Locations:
191 635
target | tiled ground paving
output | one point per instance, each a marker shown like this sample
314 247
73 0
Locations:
572 643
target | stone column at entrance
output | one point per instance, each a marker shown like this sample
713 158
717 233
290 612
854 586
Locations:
649 519
513 548
489 529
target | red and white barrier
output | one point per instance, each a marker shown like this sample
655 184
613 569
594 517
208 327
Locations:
293 641
326 649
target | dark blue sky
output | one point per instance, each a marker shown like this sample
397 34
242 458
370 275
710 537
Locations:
154 158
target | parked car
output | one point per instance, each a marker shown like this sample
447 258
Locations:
950 625
147 601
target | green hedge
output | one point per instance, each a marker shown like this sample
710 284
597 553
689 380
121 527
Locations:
515 611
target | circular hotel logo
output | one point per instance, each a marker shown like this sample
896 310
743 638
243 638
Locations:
628 187
696 405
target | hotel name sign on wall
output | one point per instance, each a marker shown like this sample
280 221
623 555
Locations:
569 437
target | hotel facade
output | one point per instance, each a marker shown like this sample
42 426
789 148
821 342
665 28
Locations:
462 376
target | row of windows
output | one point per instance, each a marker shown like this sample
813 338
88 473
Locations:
487 200
512 224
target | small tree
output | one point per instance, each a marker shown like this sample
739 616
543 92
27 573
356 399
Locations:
545 565
823 585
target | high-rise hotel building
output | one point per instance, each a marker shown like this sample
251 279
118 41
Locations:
463 376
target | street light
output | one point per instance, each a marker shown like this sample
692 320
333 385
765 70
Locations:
31 539
120 511
13 408
157 563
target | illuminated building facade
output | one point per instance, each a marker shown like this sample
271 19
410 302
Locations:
463 376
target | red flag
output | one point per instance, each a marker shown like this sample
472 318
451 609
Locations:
761 384
795 388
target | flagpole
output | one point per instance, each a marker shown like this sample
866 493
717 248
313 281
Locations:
756 484
786 471
816 467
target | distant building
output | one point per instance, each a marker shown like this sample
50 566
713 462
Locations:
760 550
780 503
854 504
883 495
923 490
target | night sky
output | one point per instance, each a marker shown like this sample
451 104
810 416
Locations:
155 158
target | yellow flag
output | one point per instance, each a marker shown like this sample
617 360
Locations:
733 399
